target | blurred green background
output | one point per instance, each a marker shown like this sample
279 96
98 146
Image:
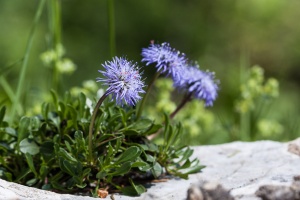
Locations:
227 37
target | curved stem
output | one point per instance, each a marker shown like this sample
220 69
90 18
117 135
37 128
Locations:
100 101
186 99
140 108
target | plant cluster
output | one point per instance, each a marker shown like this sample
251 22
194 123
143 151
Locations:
72 146
250 118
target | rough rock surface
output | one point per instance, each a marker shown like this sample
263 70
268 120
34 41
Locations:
240 167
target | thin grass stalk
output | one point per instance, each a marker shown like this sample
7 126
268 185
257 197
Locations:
144 99
56 37
245 122
9 91
24 68
111 26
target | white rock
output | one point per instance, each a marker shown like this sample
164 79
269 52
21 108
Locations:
240 167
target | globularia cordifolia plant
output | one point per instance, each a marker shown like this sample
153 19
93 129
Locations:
70 148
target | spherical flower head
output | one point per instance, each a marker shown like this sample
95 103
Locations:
208 91
198 83
123 80
167 60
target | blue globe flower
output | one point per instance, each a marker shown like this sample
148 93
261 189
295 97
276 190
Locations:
123 80
198 83
167 60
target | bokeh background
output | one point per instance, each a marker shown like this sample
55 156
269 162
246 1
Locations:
222 36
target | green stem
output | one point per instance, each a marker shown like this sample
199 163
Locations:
56 20
100 101
9 91
56 34
186 99
244 117
140 108
24 67
111 27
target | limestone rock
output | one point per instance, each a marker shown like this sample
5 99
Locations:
208 191
277 192
241 168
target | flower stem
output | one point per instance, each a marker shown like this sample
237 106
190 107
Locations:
100 101
140 108
186 99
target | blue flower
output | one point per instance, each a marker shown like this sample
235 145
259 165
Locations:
167 60
198 83
123 80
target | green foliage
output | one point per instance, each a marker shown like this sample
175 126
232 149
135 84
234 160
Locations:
256 97
200 124
251 116
50 150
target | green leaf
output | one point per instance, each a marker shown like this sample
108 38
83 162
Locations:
34 124
73 113
149 158
113 120
23 128
101 175
156 170
7 176
143 166
45 110
68 145
133 190
58 186
55 99
67 97
30 163
138 188
78 135
186 154
11 131
153 129
139 164
2 114
82 185
23 173
46 187
186 164
29 146
153 147
47 148
72 168
129 154
193 169
141 124
131 132
31 182
62 107
62 152
123 169
69 167
56 177
43 171
86 172
82 104
5 147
